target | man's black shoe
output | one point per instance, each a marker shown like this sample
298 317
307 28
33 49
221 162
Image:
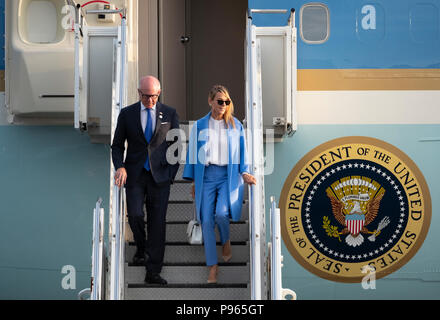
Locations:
155 278
139 258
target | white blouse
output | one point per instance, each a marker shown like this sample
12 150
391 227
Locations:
217 145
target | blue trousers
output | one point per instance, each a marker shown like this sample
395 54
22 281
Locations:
214 210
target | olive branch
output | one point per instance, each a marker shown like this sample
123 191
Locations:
332 231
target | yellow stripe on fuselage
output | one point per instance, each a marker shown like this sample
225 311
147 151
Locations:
368 79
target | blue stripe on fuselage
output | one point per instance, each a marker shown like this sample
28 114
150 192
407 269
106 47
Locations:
406 36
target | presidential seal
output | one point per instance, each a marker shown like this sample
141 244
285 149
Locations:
352 203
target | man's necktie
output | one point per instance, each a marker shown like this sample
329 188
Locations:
148 134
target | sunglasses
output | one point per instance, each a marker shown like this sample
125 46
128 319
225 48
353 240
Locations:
227 102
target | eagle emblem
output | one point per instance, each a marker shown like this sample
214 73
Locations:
355 203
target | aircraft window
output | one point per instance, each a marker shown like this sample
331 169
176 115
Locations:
424 22
41 22
314 23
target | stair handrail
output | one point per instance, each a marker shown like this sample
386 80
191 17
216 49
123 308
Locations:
117 235
275 253
117 194
80 23
98 253
276 288
254 126
97 282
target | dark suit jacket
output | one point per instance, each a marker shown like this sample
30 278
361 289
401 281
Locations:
129 128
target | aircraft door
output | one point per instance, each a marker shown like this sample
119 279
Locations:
172 46
278 58
196 51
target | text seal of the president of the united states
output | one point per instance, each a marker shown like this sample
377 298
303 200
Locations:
352 203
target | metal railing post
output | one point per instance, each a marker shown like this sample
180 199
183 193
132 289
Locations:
117 223
98 252
276 257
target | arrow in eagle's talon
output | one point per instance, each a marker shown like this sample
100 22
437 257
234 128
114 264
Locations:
385 221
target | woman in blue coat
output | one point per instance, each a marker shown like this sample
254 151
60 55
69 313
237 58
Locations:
216 162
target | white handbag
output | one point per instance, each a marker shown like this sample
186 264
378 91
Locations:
194 231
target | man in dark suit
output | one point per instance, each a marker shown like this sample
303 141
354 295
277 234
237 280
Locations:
146 173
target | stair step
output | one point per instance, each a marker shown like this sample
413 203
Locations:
184 210
188 285
205 292
181 190
191 264
191 274
176 231
182 252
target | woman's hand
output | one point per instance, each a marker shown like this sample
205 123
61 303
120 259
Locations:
249 179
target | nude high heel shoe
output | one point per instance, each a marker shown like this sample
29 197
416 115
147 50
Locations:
227 252
213 270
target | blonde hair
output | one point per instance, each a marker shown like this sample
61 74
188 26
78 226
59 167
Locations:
228 116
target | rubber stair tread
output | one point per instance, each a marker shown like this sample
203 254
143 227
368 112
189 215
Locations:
187 285
194 264
180 201
185 243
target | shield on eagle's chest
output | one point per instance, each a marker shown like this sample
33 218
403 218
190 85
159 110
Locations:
355 223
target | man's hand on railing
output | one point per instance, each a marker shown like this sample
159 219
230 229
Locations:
120 177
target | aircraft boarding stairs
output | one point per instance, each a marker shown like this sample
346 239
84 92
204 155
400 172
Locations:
115 277
184 264
247 275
